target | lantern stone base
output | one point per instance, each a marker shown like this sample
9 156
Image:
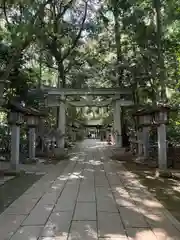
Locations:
12 172
164 173
141 159
60 153
30 161
152 164
119 150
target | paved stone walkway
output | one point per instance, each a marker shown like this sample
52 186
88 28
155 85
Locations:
94 198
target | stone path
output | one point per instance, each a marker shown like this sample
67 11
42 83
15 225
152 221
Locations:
94 198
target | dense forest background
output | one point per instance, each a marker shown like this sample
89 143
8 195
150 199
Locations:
91 43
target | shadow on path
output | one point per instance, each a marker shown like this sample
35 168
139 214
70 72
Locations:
95 198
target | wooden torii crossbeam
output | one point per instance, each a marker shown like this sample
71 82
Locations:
87 91
53 96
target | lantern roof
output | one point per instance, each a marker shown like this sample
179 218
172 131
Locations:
143 111
18 107
32 111
35 112
164 108
149 109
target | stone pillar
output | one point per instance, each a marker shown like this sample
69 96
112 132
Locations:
146 141
74 136
62 124
162 147
140 145
114 124
71 134
15 142
107 134
101 135
32 143
117 123
41 129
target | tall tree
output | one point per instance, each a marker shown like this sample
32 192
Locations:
61 29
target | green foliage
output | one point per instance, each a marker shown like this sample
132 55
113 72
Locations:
173 130
80 44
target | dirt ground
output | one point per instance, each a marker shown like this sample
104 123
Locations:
166 190
14 188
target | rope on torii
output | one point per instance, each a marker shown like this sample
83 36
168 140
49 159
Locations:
92 103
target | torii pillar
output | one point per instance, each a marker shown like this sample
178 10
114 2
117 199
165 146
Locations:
117 123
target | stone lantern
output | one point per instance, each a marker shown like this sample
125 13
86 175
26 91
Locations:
144 119
15 119
161 118
161 115
32 120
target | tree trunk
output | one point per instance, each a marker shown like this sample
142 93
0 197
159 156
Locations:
40 69
162 75
61 83
118 43
61 76
117 34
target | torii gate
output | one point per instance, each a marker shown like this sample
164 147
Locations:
117 97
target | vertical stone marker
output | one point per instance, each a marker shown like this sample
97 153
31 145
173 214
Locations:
146 141
33 116
15 119
117 123
32 143
162 147
62 123
15 142
161 118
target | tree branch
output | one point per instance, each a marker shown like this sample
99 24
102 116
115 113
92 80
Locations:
17 50
21 10
5 13
49 65
78 35
71 63
66 7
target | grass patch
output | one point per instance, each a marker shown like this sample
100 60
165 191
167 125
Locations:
14 188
